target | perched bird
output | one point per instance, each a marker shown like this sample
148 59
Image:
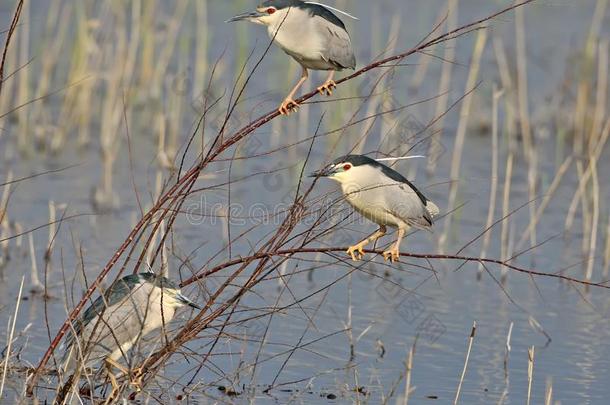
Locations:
381 195
132 307
311 34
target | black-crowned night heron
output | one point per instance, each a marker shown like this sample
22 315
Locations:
129 309
381 195
311 34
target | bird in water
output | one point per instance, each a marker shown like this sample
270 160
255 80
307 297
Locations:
383 196
309 32
128 310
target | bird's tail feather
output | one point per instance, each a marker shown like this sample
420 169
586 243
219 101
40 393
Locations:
432 209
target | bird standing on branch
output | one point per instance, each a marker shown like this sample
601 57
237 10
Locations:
311 34
381 195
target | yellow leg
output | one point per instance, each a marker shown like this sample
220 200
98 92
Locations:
357 252
394 253
113 363
135 374
108 364
136 378
289 105
329 85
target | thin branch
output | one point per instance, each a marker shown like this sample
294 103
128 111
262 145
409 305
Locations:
9 36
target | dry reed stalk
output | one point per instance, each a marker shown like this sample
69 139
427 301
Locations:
147 53
23 83
601 97
508 86
529 147
581 113
522 85
35 285
460 137
507 349
585 176
546 200
387 99
510 122
174 117
494 173
548 396
7 357
52 43
594 223
421 68
52 228
588 204
76 106
9 64
532 178
18 230
470 341
164 271
162 61
375 102
302 128
595 135
409 369
349 325
5 223
7 42
164 161
7 97
6 195
201 48
113 106
443 88
4 246
607 251
530 372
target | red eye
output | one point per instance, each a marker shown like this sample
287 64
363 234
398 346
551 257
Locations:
270 11
347 167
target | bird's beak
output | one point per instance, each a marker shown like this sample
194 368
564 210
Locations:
187 301
246 16
326 172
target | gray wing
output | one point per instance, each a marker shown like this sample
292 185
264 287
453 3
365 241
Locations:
113 295
337 47
406 204
119 327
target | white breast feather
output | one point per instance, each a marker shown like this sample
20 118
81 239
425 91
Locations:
293 34
383 200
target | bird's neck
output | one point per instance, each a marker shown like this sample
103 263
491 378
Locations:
288 25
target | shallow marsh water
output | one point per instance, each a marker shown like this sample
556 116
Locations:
389 305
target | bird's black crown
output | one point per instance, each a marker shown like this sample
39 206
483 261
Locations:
279 4
313 9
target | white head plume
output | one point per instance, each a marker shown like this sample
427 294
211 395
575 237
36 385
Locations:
332 8
393 159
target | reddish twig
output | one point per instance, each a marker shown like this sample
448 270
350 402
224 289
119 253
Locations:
289 252
9 36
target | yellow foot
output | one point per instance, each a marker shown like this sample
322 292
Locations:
356 252
115 385
393 254
114 394
327 88
136 378
288 106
